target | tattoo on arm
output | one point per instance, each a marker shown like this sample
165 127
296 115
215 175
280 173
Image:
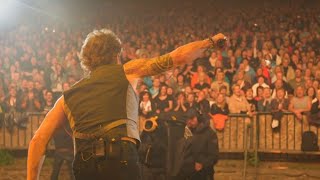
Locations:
162 64
148 67
184 54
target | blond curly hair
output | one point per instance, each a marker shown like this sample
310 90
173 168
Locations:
101 47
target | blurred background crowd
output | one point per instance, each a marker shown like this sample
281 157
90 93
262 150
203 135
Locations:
271 61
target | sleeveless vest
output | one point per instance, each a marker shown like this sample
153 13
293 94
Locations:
103 97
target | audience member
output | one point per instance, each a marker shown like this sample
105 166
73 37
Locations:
300 103
238 103
264 105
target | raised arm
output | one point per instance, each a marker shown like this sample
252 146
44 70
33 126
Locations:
37 147
185 54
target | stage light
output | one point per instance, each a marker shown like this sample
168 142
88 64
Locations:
5 5
8 11
4 2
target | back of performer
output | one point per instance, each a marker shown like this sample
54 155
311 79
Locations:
102 112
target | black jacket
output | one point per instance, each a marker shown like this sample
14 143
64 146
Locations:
204 108
215 109
202 147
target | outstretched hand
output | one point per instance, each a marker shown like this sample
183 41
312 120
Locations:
218 38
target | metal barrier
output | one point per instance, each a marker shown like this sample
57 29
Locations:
241 133
261 137
288 139
13 137
233 137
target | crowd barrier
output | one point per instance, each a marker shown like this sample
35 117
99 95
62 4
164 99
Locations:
255 133
237 134
288 139
17 137
241 133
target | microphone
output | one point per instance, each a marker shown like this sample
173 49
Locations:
222 42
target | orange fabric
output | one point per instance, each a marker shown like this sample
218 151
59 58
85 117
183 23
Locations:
219 121
195 79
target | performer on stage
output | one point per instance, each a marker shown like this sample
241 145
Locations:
102 108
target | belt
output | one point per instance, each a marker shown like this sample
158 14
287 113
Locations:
101 131
129 139
111 149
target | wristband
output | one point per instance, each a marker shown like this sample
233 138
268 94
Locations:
211 42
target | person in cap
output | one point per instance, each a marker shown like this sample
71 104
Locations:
198 151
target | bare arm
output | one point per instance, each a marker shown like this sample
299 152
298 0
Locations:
37 147
40 166
183 107
182 55
170 106
177 107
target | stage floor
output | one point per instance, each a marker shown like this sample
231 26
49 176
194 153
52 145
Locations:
225 170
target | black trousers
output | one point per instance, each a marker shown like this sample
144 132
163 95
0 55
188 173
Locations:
124 167
59 158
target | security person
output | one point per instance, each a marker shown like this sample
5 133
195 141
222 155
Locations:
102 108
197 152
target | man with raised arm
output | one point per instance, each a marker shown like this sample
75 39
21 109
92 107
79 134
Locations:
102 108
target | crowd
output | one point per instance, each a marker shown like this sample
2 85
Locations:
271 61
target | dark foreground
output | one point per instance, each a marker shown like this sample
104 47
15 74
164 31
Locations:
225 170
